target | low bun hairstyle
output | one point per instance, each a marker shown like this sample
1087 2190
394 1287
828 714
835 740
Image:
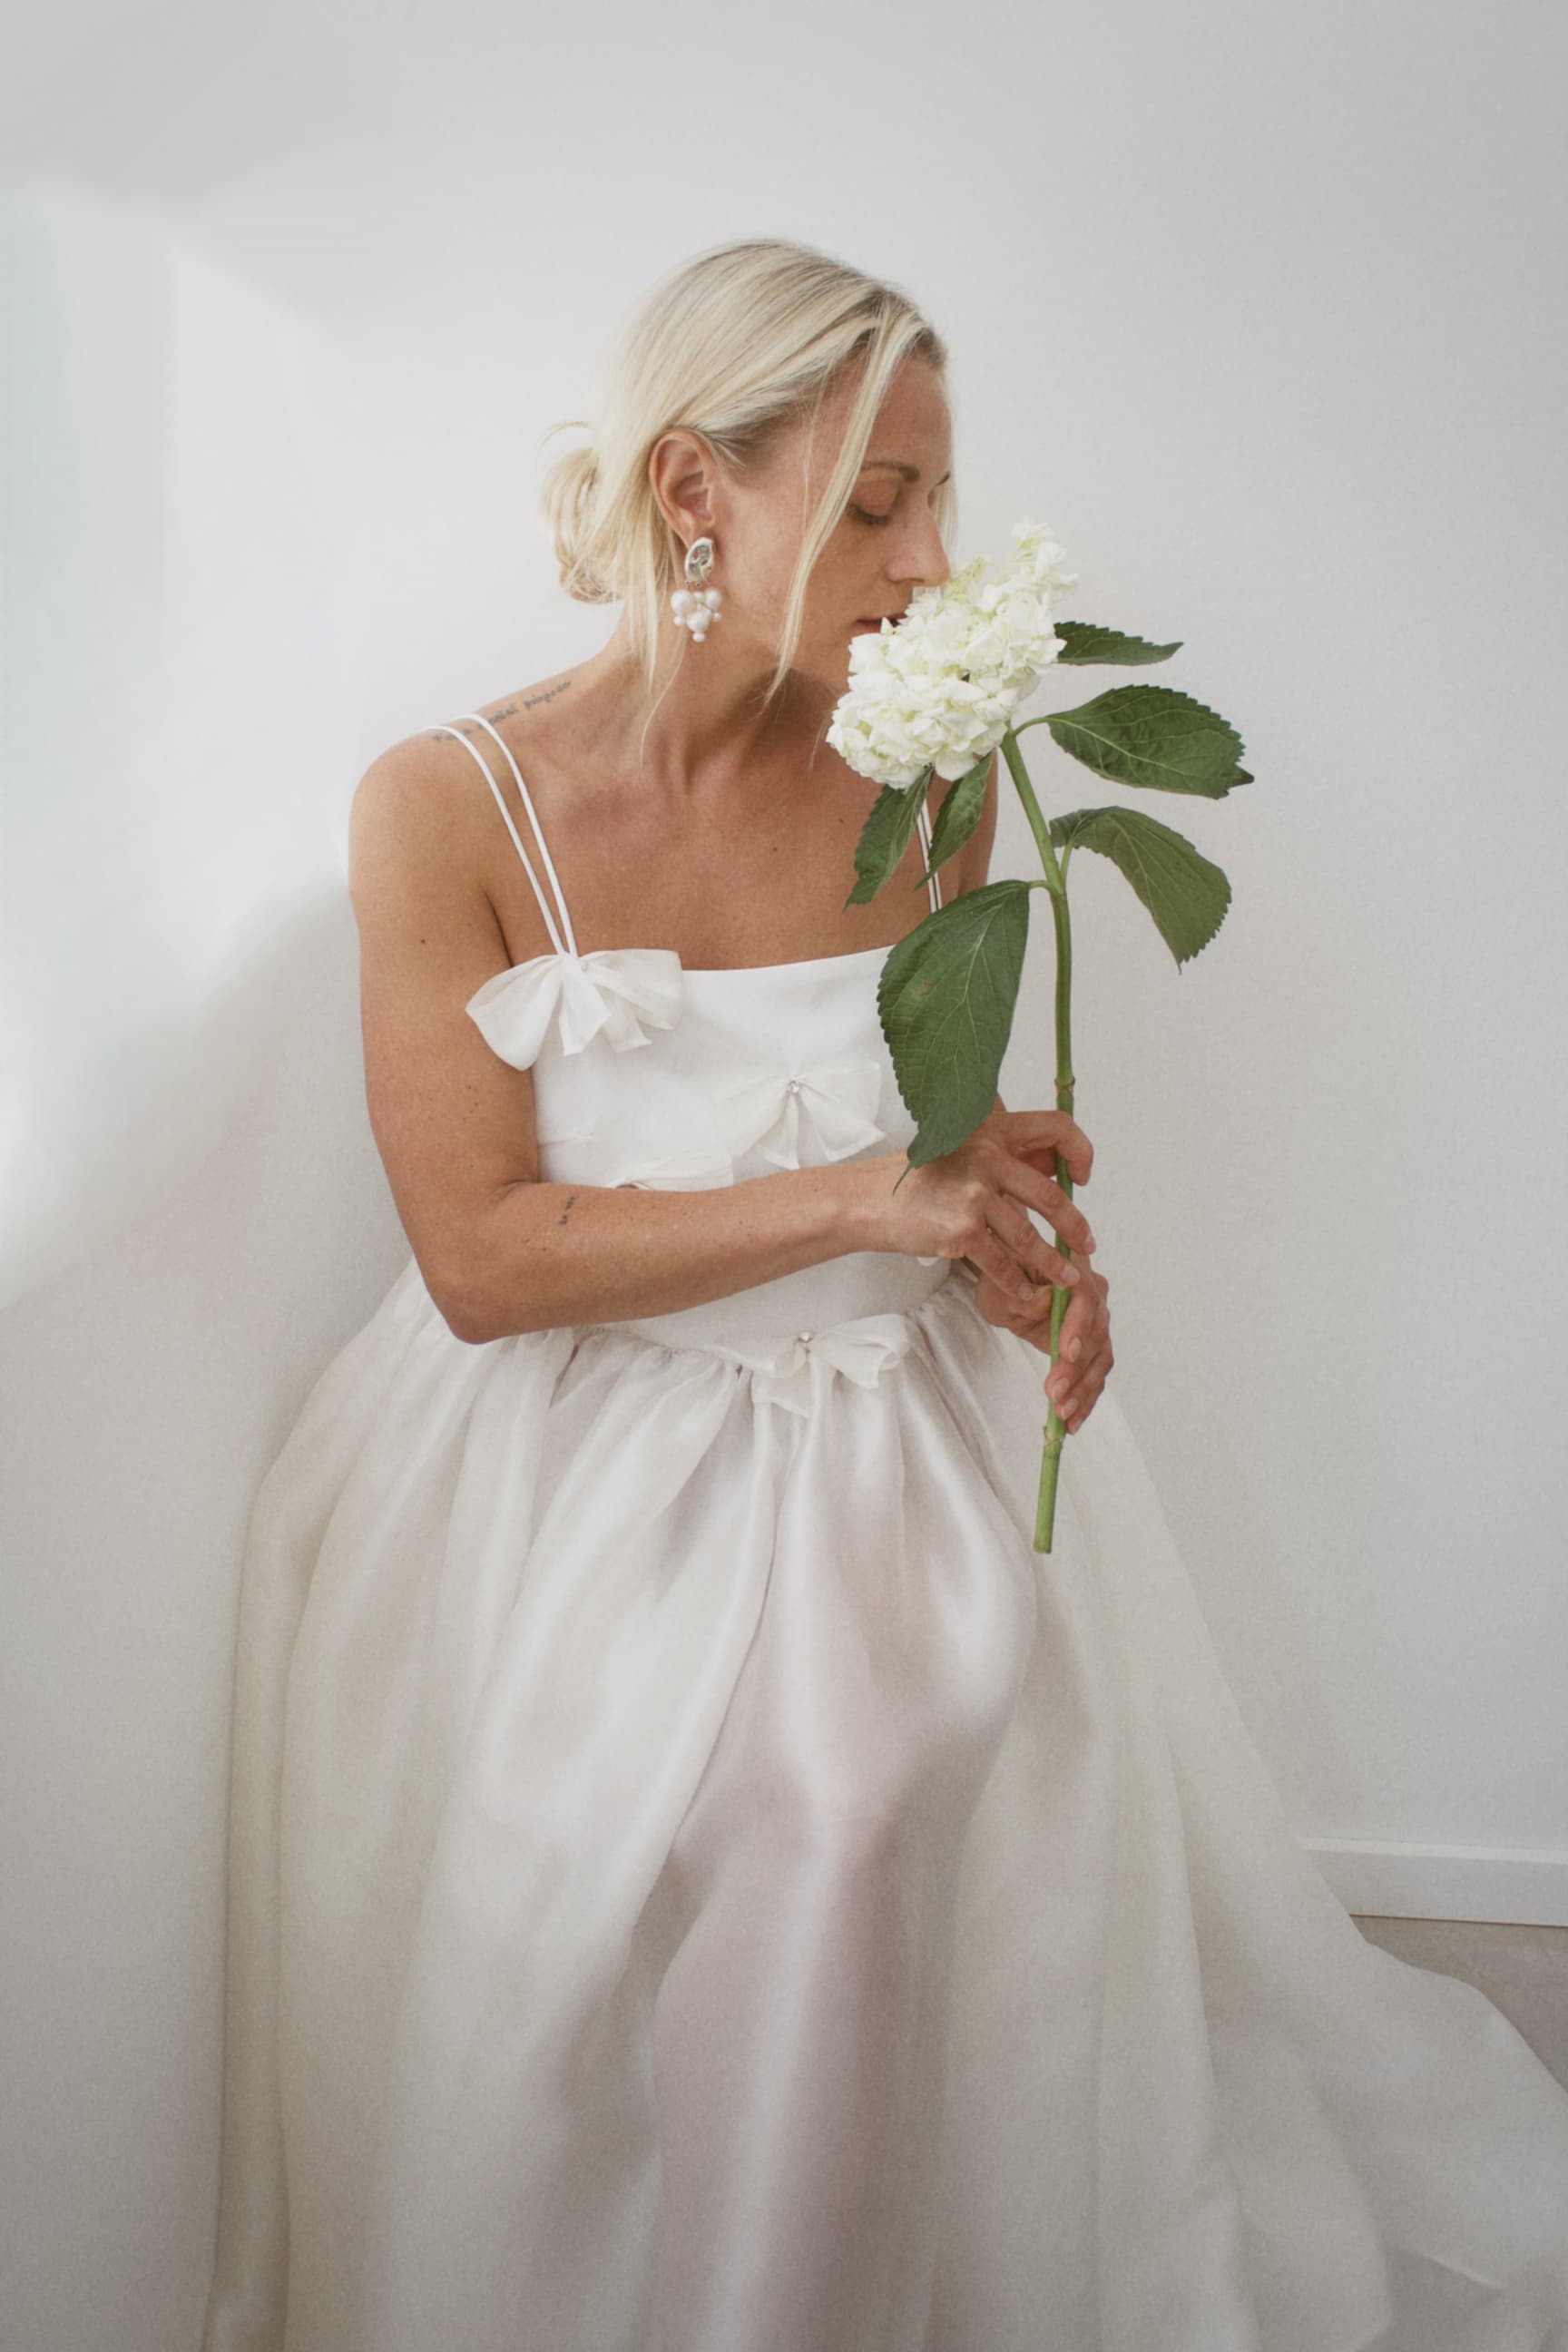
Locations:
571 488
733 346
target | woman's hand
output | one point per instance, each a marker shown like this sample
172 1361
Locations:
973 1204
1086 1353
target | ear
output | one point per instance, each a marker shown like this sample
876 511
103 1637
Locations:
684 477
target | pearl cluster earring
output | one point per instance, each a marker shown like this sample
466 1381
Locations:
696 604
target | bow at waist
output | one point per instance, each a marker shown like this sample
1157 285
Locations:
848 1316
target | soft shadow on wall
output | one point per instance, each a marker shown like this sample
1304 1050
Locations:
193 1217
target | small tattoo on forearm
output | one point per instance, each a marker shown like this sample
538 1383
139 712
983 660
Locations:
566 1211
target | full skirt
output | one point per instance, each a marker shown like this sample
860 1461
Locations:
700 1882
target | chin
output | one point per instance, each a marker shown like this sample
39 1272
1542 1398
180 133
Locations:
827 666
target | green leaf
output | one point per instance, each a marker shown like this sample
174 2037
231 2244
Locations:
885 836
1186 894
961 810
945 997
1085 640
1152 736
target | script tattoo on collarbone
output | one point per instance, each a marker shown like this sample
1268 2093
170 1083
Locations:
509 711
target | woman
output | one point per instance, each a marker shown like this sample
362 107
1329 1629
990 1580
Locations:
700 1882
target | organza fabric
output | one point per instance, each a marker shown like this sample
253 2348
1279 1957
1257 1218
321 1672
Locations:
700 1882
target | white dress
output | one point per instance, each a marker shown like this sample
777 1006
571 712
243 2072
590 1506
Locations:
700 1882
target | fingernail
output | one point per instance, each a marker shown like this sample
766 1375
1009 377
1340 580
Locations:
1072 1274
1075 1349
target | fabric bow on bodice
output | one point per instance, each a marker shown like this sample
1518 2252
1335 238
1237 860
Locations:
862 1349
618 993
828 1109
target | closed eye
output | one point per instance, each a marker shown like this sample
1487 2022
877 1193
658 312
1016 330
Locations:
864 516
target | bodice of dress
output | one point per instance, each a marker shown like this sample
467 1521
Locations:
653 1074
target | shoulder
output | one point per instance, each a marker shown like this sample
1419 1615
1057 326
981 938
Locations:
427 770
432 785
461 764
414 819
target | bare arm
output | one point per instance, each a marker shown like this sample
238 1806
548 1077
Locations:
501 1250
555 1254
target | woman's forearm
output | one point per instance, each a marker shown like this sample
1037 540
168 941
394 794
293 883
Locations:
548 1255
551 1254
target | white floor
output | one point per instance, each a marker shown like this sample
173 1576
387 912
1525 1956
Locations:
1522 1971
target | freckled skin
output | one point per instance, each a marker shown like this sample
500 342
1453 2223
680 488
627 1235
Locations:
709 818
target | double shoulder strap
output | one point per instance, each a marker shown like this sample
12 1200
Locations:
562 938
557 922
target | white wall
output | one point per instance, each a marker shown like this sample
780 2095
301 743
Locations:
1252 306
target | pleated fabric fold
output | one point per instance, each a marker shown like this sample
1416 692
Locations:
700 1882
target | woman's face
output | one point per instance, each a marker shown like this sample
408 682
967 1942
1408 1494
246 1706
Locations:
884 546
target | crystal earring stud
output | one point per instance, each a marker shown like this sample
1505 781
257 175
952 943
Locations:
696 604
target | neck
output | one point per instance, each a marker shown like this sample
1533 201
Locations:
706 729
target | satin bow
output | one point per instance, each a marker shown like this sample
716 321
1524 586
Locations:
610 992
828 1109
861 1350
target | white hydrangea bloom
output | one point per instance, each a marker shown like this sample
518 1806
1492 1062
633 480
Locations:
936 689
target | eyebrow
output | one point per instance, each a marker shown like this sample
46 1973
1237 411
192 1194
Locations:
897 466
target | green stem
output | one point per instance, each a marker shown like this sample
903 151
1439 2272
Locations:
1014 756
1056 883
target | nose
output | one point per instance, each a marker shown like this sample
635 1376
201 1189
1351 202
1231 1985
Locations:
920 562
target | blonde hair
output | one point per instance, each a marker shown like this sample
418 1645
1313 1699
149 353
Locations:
741 341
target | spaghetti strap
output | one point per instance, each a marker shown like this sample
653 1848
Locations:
933 881
562 937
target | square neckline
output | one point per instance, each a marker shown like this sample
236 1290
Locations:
703 971
792 963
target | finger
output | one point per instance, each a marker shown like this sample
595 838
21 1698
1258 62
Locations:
1037 1258
1091 1320
1024 1186
1039 1132
1031 1185
1081 1404
1069 1370
1068 1378
1032 1321
1085 1329
1073 1388
996 1305
990 1254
